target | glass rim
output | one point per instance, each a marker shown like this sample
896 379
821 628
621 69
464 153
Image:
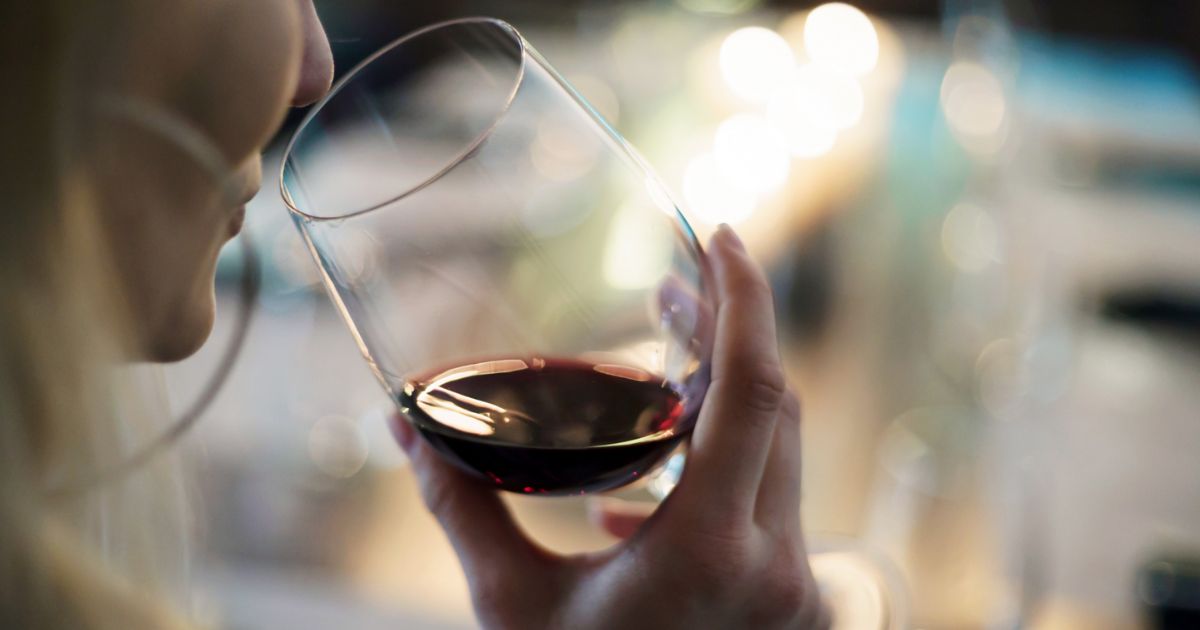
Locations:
471 147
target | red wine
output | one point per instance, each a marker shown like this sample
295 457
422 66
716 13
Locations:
549 426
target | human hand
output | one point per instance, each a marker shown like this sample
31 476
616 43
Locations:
724 550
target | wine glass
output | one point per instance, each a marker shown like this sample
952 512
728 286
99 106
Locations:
518 278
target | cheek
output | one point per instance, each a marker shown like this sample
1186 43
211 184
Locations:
165 230
239 90
229 72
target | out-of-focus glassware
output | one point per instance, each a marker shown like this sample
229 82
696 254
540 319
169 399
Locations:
860 586
518 278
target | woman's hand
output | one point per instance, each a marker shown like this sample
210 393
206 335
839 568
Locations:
725 550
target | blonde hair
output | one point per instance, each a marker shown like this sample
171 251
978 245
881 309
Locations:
105 557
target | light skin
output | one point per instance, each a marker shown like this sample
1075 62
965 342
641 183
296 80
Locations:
227 69
725 550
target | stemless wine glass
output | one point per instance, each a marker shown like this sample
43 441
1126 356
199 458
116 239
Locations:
518 278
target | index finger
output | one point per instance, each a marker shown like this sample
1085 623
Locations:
729 445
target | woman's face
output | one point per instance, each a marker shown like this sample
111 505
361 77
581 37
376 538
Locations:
197 88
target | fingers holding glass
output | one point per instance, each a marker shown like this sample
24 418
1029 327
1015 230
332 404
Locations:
777 507
731 441
484 534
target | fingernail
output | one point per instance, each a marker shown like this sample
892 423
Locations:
730 236
404 434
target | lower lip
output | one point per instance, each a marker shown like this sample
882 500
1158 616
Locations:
239 218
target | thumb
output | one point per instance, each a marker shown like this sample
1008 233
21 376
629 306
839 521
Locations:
488 542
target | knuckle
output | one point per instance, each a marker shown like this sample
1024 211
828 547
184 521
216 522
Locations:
788 595
489 591
765 386
781 594
777 601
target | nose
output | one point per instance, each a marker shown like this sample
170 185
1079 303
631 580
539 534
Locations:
316 66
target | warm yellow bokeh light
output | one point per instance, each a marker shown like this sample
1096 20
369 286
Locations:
710 198
803 114
842 38
751 154
754 62
844 94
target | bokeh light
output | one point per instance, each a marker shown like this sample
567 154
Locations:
843 93
358 252
710 197
637 254
600 95
337 446
842 38
718 7
970 237
750 154
998 377
853 589
803 114
754 62
559 153
973 100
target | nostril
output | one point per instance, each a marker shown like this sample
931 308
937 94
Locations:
313 84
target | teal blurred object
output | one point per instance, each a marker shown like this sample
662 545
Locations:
1146 101
1150 93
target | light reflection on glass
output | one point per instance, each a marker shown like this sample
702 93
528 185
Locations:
559 154
600 95
622 371
636 254
358 253
461 412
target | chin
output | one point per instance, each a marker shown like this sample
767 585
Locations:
183 334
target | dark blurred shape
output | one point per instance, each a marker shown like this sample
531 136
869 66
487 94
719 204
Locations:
1164 23
1156 309
1169 589
804 285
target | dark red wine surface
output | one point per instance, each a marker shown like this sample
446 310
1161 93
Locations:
548 426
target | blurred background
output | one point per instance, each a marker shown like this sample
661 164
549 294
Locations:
982 221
